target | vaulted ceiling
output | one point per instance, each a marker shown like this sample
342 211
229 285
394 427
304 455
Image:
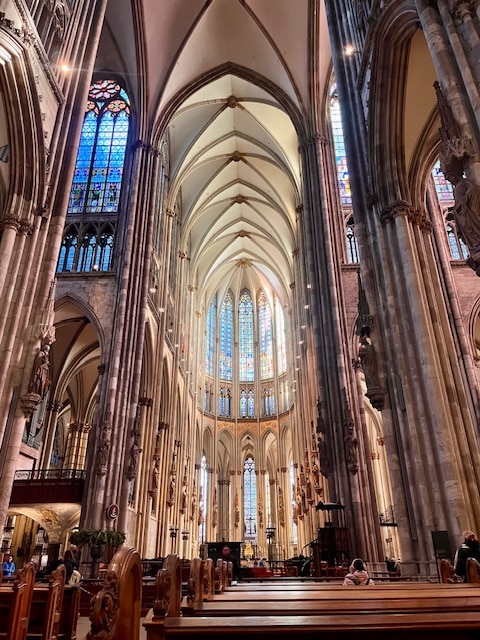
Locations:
232 82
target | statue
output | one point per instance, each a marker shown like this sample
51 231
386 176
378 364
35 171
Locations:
39 381
281 507
155 476
368 360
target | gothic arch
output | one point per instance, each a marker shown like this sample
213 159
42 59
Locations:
391 83
26 139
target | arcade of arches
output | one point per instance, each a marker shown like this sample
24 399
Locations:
239 274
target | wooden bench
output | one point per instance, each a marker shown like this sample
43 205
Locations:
437 611
431 626
473 571
15 603
115 609
67 629
46 607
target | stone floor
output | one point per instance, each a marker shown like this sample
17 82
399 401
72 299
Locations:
83 628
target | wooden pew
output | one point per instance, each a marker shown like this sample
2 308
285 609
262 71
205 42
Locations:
67 629
473 571
115 609
447 572
431 626
46 607
15 603
437 611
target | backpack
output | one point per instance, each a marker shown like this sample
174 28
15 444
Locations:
75 577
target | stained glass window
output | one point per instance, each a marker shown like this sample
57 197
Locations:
243 403
250 404
250 499
210 338
352 247
221 402
226 338
339 147
265 330
280 336
245 330
458 248
443 187
202 501
101 154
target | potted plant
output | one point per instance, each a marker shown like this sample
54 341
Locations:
97 540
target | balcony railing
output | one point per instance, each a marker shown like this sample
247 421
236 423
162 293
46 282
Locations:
41 486
50 474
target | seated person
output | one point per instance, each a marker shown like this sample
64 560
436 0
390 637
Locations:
358 575
226 555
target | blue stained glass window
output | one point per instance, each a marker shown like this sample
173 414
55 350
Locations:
243 403
226 339
443 187
458 248
221 402
99 166
68 250
339 146
271 402
245 329
265 329
210 338
250 499
280 336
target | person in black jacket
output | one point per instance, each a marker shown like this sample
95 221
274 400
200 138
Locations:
470 548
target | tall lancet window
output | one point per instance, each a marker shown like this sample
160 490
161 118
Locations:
339 146
245 329
265 330
210 338
96 187
342 174
226 339
250 499
444 189
202 503
280 336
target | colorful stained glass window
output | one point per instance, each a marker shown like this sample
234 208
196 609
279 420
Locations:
245 331
226 339
250 499
221 402
265 330
202 499
250 404
339 147
243 403
210 338
280 337
101 154
458 248
443 187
